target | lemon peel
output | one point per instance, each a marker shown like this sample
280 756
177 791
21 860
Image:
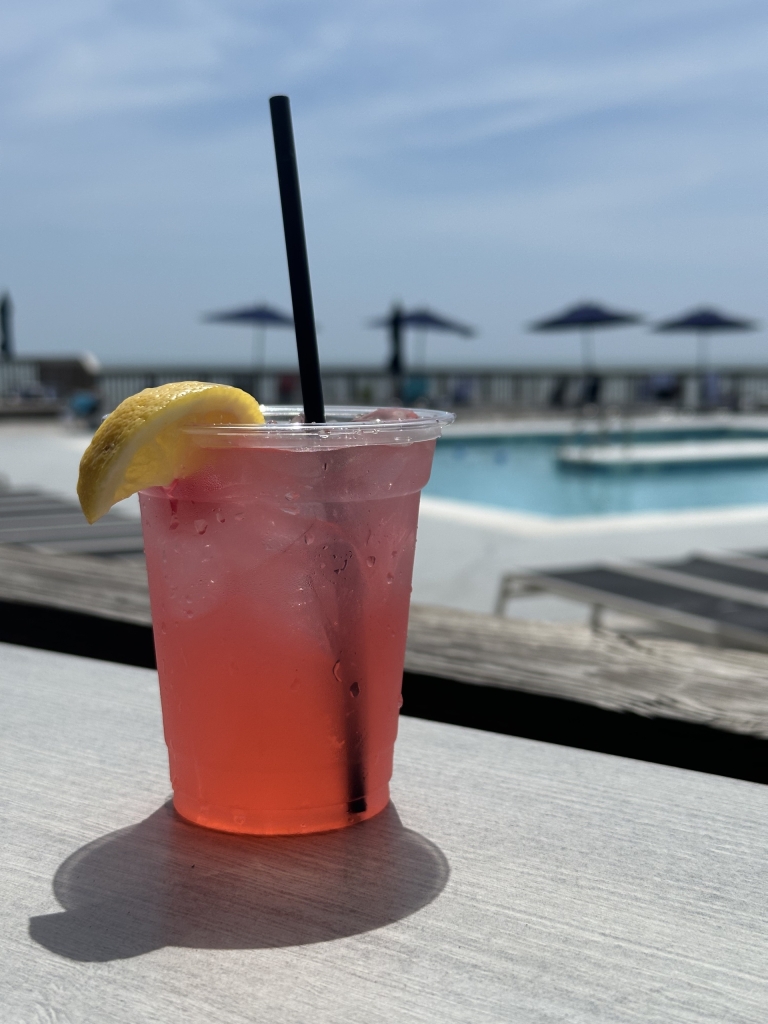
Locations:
142 442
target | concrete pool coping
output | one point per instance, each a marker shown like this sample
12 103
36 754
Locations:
565 426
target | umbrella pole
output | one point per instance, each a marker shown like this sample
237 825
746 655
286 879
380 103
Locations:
702 352
259 347
701 364
586 350
421 349
396 352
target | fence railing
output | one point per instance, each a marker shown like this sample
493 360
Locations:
515 390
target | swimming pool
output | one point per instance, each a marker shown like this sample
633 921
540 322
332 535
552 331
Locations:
522 473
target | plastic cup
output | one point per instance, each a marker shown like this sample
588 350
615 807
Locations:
280 578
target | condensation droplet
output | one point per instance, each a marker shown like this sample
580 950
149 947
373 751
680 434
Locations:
390 578
174 524
309 538
370 561
220 517
337 670
201 526
354 689
291 496
188 613
239 517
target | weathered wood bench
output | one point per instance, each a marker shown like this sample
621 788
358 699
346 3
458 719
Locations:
654 699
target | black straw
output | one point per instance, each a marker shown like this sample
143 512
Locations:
298 264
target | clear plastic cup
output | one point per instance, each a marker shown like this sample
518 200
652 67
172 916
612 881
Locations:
280 578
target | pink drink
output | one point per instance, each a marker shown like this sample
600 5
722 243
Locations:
280 579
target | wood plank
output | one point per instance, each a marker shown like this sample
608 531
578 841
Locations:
654 677
49 523
112 589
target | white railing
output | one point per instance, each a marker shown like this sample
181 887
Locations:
535 390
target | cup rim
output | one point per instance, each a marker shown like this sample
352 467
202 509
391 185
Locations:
349 425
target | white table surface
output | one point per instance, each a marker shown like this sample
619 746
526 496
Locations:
515 881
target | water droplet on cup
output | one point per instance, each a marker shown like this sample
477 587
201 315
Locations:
390 578
291 496
201 526
174 524
239 517
220 517
370 561
354 689
337 670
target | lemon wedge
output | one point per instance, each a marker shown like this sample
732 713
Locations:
142 443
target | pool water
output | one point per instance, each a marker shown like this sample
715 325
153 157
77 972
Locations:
522 473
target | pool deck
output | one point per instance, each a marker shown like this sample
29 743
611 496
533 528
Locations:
464 549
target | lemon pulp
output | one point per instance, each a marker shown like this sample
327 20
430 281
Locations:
142 443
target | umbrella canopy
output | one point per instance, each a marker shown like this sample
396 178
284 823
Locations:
261 315
585 317
429 321
425 319
708 320
705 322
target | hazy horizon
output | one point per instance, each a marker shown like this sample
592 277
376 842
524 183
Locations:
495 163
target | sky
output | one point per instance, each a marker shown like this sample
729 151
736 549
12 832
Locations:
494 160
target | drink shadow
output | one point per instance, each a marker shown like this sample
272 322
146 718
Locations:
164 882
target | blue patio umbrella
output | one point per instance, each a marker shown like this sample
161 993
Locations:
260 316
704 322
586 317
422 319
